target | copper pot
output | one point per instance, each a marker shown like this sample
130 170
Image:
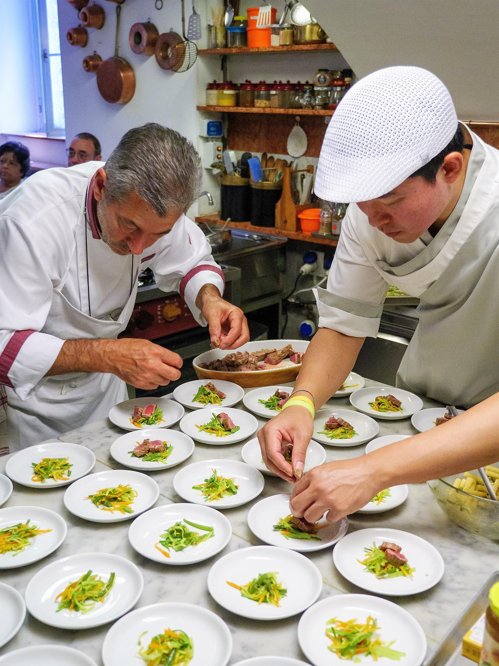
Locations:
115 76
168 50
78 4
143 38
92 17
77 36
92 63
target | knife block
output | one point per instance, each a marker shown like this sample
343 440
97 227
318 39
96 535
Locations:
286 210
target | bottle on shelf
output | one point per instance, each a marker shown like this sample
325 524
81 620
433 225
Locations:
489 656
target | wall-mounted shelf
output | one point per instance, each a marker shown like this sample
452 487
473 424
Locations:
295 48
266 110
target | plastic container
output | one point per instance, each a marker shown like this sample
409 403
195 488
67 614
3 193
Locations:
247 94
227 94
489 656
236 36
212 94
235 198
262 95
258 38
275 35
310 220
264 196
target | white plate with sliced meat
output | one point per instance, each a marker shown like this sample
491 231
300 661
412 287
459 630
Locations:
427 419
199 394
152 449
267 401
219 425
343 427
141 413
386 403
252 455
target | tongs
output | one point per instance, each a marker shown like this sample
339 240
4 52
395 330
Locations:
483 474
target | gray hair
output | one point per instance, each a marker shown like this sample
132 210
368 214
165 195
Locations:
157 163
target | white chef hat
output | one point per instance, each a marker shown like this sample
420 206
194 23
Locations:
387 126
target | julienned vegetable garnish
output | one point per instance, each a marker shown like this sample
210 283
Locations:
291 529
386 403
171 648
82 595
351 640
16 538
179 536
337 428
152 450
219 425
120 498
380 497
208 394
276 401
58 469
148 415
386 561
264 589
215 487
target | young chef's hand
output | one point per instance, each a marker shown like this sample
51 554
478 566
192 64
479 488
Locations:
143 364
226 322
293 425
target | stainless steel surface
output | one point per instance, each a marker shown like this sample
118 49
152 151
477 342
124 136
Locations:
206 194
380 357
400 319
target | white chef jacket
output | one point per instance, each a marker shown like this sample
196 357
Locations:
58 281
452 356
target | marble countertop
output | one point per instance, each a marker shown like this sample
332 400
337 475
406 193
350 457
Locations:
469 559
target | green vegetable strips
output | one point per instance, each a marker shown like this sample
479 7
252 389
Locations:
179 537
171 648
380 497
119 498
215 487
351 639
342 432
383 403
272 403
376 563
290 531
264 589
58 469
83 594
16 538
207 396
215 427
155 418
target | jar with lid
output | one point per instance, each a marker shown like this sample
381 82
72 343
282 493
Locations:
262 94
489 656
338 89
286 35
227 94
212 93
306 97
247 94
277 95
275 35
237 36
239 21
326 218
288 94
322 96
322 78
297 93
339 211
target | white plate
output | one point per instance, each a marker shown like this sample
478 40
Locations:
365 427
183 448
185 393
210 635
46 655
351 384
251 454
271 661
19 468
380 442
301 578
252 399
247 425
145 532
267 512
395 624
75 497
50 581
5 488
411 403
249 480
421 556
398 495
40 546
13 613
121 413
425 419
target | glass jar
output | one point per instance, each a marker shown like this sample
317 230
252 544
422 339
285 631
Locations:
262 95
239 21
212 94
489 656
286 35
326 218
275 95
322 78
236 36
227 94
288 94
322 96
247 94
275 34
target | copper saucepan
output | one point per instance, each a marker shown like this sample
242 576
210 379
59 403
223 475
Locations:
143 38
92 17
77 36
92 63
115 76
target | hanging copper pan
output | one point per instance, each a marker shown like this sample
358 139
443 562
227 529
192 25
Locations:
143 37
92 63
92 17
166 53
78 4
77 36
115 76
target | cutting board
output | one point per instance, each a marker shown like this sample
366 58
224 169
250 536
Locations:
285 209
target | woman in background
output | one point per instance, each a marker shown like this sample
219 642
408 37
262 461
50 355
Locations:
14 166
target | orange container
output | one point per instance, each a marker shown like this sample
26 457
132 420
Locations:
253 14
310 220
258 38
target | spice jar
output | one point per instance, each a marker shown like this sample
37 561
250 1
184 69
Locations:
288 93
239 21
262 95
247 94
286 35
322 78
489 656
275 32
212 93
227 94
236 36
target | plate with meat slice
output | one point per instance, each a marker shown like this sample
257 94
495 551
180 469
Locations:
219 425
429 418
386 403
388 562
152 449
140 413
200 393
267 401
259 363
251 454
343 427
271 521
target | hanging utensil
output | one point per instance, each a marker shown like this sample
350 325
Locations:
115 76
229 14
143 37
264 17
297 140
194 24
186 51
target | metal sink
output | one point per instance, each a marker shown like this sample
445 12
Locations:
244 242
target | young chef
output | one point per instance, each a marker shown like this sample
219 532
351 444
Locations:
74 241
425 218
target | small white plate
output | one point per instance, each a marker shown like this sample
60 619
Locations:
249 480
145 532
351 384
121 413
252 455
421 556
75 497
411 403
365 427
183 448
50 581
40 546
5 488
13 613
252 399
210 635
395 624
267 512
398 495
46 655
247 425
380 442
20 470
186 392
296 573
271 661
425 419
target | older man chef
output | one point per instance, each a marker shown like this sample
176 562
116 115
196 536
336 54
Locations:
74 241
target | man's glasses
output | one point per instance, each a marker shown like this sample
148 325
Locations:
80 154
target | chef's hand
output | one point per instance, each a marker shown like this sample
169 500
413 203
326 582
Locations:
226 322
339 488
294 426
142 363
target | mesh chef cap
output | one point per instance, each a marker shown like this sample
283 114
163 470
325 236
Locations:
388 125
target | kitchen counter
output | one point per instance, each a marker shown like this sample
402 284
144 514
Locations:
469 559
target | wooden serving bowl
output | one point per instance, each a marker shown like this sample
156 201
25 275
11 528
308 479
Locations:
280 374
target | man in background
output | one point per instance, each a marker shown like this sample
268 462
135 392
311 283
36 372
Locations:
85 147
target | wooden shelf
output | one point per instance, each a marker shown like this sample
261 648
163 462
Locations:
295 48
266 110
292 235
